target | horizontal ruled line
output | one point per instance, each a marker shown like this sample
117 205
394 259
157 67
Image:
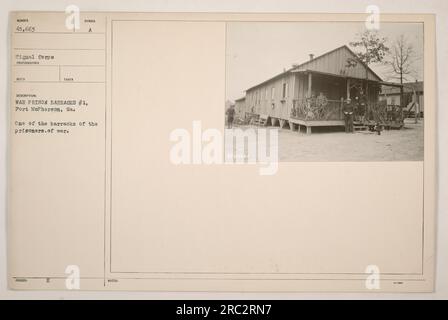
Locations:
59 82
59 49
57 65
56 32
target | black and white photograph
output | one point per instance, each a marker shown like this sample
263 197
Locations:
335 91
194 154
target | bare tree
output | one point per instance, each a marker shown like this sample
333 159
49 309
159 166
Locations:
402 64
402 58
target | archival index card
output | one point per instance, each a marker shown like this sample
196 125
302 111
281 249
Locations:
168 152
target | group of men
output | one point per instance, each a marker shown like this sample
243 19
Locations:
354 109
357 110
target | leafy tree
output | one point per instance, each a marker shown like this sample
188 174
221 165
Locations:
369 48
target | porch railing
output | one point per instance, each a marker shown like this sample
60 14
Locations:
384 113
317 109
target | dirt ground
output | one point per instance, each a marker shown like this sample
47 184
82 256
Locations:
334 145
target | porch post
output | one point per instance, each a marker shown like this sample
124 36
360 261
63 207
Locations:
341 109
310 82
291 125
348 88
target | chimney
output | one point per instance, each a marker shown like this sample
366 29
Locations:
311 56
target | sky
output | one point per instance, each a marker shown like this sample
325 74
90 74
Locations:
257 51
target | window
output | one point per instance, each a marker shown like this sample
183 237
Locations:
284 90
266 97
273 93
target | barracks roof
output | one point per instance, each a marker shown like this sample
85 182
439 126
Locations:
334 62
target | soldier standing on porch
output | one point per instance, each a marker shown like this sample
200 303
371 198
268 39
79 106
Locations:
348 116
362 107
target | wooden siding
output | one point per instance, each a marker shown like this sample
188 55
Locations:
335 62
334 88
329 74
260 98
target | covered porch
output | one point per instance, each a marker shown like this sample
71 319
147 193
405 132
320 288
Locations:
321 97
